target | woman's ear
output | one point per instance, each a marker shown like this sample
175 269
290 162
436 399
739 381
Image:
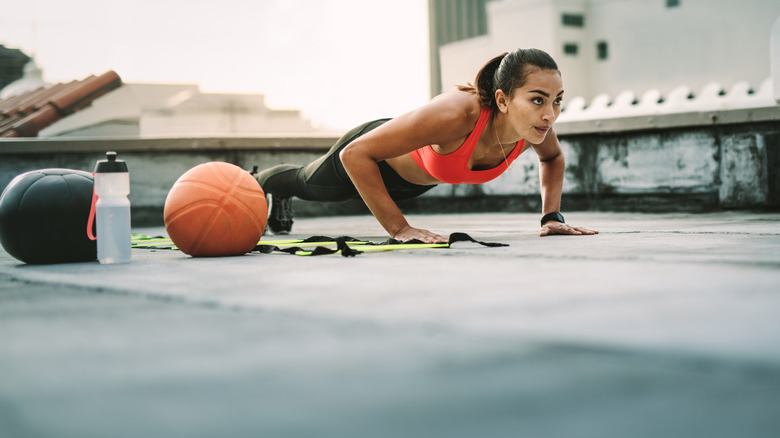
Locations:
502 100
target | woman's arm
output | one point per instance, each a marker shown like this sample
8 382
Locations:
551 169
364 173
443 121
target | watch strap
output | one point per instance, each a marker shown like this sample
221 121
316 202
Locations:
554 216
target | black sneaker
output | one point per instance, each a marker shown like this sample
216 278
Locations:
280 219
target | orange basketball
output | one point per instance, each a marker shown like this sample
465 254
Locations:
215 209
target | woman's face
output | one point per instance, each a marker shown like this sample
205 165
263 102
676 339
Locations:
534 107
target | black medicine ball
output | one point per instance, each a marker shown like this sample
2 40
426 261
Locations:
44 214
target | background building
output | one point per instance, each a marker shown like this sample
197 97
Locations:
450 21
608 46
158 110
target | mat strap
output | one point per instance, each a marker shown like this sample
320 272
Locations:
343 245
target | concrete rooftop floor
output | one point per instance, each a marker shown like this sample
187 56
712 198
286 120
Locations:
663 325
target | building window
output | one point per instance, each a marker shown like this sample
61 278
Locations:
573 20
602 50
672 3
571 49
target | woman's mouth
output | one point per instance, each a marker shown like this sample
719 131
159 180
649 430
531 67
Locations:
541 130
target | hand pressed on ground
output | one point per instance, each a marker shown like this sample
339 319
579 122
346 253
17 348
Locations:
409 233
553 227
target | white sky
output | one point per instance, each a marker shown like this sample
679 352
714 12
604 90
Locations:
341 62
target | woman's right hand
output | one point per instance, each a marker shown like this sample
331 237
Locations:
409 233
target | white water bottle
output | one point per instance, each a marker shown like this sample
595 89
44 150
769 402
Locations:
112 210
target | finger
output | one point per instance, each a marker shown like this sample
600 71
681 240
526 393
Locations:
563 229
430 237
438 239
434 240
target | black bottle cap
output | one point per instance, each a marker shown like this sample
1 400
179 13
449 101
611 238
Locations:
110 164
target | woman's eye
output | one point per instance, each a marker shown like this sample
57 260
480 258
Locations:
537 100
558 101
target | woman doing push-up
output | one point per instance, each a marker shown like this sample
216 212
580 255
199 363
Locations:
467 136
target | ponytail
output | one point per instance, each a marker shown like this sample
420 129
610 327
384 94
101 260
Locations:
507 72
485 82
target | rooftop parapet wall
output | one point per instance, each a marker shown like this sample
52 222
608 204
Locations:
156 163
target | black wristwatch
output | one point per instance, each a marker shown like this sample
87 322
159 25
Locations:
554 216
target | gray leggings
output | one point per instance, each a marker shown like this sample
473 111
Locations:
325 179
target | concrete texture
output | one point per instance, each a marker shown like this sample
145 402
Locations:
662 325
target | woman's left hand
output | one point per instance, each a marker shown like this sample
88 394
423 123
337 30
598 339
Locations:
554 227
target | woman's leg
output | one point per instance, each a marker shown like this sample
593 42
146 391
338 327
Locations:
322 180
280 180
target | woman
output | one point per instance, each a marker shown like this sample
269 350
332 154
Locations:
470 135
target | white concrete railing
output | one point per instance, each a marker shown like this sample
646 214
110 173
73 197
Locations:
680 100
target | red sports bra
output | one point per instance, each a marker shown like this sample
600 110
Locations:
453 168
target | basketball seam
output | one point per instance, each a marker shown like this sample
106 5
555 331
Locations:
250 213
187 208
246 208
239 189
210 224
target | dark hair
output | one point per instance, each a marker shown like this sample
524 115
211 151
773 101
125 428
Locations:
507 72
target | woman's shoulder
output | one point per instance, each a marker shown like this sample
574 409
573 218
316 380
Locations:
448 118
458 107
